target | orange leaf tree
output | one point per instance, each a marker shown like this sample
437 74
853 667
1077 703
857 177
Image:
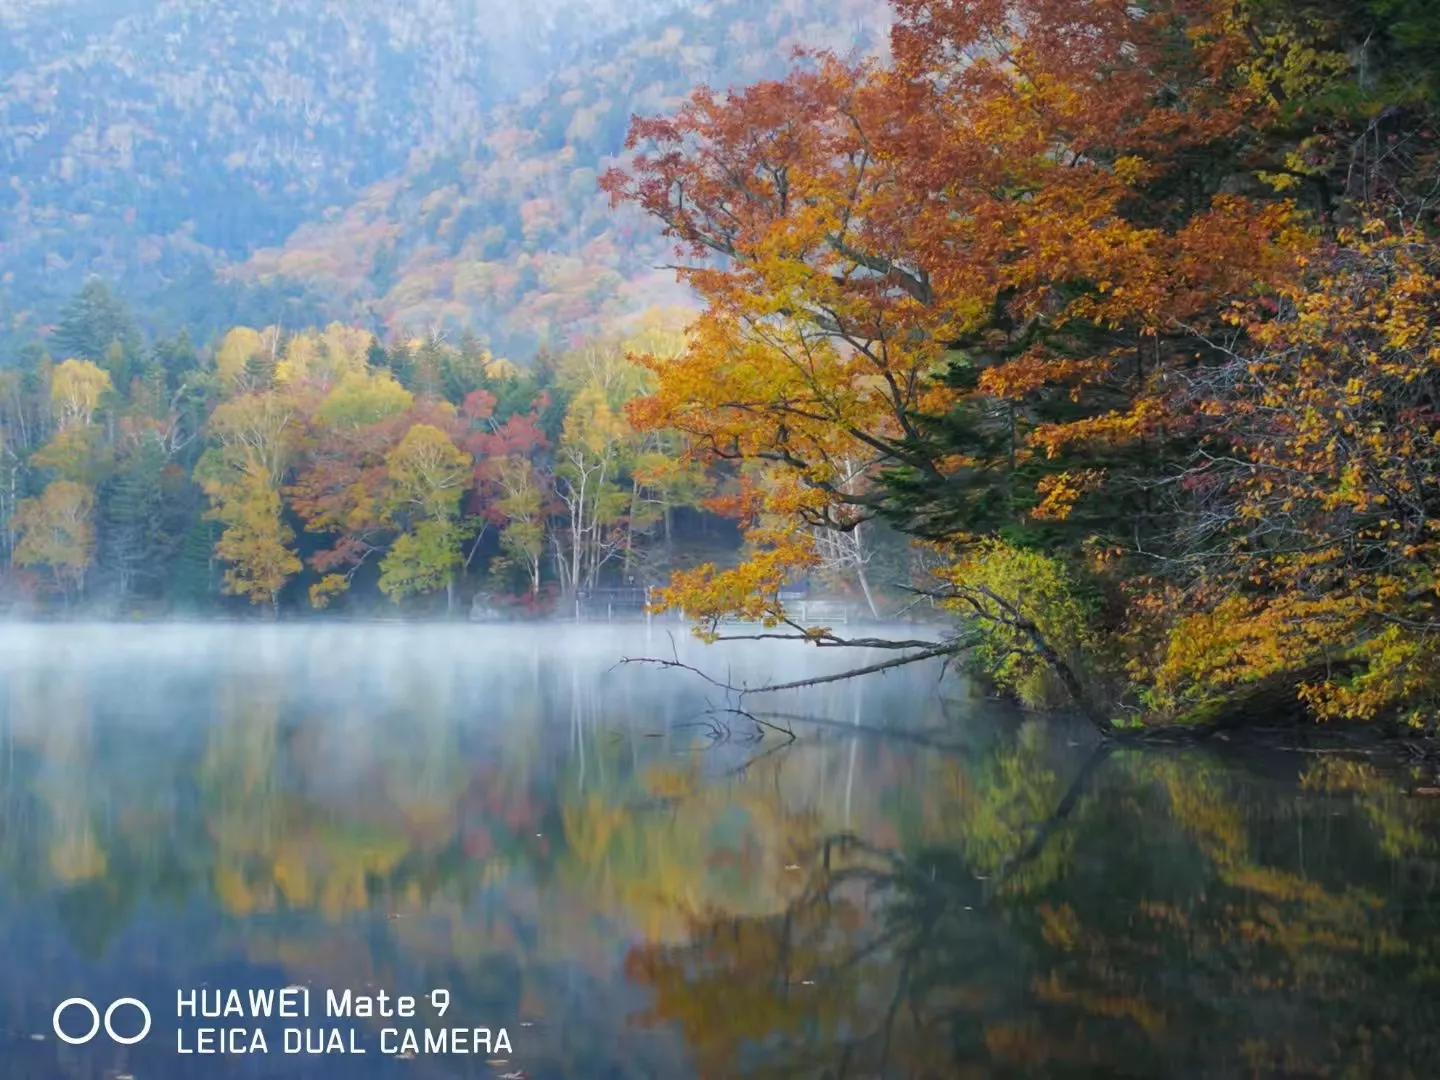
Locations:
980 270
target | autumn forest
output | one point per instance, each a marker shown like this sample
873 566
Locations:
397 466
1100 339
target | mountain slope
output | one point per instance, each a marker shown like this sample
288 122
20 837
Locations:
149 142
507 232
409 165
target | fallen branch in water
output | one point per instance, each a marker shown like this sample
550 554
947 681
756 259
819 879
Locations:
760 724
868 731
720 731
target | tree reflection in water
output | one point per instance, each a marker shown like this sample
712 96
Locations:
1163 918
909 889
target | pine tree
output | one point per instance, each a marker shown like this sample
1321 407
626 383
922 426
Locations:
95 321
402 363
134 540
196 584
176 357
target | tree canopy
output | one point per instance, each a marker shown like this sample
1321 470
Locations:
1150 289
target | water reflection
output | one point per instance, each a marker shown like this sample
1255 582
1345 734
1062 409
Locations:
503 813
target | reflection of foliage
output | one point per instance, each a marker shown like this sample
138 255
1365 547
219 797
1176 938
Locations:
856 906
1396 818
999 804
669 847
736 983
77 857
1196 935
276 850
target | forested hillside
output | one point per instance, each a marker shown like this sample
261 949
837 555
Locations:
423 180
507 230
403 166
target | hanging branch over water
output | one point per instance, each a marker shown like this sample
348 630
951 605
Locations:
927 651
824 637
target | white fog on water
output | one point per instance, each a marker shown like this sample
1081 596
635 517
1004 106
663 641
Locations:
485 678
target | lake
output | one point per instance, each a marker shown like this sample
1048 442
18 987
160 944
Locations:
625 880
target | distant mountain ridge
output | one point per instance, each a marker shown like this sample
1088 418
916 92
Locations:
152 142
507 231
407 166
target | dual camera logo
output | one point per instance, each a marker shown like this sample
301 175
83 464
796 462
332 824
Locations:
97 1021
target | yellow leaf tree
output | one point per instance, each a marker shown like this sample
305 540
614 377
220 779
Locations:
252 437
57 532
256 541
428 476
76 390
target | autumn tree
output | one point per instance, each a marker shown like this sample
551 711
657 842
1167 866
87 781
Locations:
57 531
513 489
76 450
246 358
427 479
1310 507
252 440
323 359
339 492
256 541
521 507
603 497
587 472
77 388
960 290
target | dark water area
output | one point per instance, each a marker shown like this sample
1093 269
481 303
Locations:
924 883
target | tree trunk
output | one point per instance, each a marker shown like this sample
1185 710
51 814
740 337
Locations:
865 588
858 538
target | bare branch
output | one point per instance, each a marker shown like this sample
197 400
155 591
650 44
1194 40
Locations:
818 680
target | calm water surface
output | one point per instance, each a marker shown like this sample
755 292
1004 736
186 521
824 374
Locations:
923 884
